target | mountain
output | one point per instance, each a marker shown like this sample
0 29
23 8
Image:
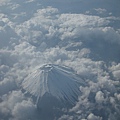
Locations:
60 82
53 86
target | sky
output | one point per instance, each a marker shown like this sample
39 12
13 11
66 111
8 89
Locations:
81 34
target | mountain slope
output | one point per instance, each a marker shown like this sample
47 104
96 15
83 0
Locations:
60 82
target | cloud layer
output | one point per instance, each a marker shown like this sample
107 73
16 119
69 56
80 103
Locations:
85 41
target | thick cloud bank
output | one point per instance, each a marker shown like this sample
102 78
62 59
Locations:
86 38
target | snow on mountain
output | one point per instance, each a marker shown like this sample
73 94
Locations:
60 82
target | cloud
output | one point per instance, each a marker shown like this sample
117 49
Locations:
24 110
100 10
89 44
28 1
99 97
53 25
4 2
15 106
8 102
8 36
98 94
65 117
51 28
7 85
115 69
93 117
7 58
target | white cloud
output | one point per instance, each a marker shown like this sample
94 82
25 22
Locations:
116 71
7 85
99 97
48 24
66 117
4 2
81 20
44 35
28 1
9 101
118 96
7 58
93 117
100 10
24 110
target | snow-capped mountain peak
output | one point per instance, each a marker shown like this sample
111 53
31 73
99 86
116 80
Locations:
60 82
